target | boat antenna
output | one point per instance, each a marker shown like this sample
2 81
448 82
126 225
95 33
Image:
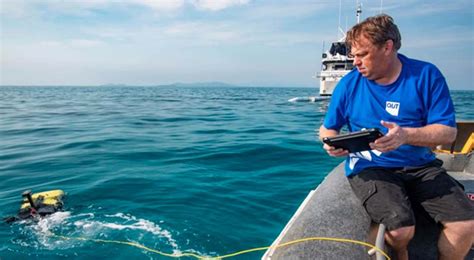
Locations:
339 25
322 54
346 24
359 11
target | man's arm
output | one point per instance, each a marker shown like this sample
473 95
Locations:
429 136
324 132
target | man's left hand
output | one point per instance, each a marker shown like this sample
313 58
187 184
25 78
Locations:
395 137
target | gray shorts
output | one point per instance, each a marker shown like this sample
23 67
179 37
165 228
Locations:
389 195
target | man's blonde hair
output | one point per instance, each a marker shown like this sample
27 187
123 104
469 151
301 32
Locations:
377 29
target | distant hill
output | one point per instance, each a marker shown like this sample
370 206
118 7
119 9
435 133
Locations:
113 85
200 84
208 84
176 84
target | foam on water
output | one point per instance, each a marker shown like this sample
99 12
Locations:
39 232
310 99
43 233
126 222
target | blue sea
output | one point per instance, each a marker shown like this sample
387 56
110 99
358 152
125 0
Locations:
203 170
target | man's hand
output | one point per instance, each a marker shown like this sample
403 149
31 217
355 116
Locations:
324 132
395 137
335 152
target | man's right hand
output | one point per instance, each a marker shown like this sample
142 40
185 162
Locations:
335 152
324 132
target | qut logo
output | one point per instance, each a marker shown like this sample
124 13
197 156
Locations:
392 107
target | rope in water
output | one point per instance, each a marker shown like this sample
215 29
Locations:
137 245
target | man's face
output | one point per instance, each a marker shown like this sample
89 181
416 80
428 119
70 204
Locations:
369 59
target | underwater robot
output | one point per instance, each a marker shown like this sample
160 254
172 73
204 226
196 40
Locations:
38 205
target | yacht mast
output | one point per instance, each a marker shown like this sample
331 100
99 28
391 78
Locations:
358 11
339 25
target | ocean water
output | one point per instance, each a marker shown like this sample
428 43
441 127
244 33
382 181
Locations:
208 171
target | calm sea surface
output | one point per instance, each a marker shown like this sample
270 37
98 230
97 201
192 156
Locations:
209 171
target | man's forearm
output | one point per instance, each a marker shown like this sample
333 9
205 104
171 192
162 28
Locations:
430 135
324 132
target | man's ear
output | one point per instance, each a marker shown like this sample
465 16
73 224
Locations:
388 48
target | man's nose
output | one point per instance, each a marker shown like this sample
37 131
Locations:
356 61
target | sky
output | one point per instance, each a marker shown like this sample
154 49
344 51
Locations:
240 42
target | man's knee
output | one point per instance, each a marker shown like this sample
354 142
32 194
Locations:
465 227
456 239
400 236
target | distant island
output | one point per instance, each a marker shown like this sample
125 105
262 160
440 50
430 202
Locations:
113 85
176 84
201 84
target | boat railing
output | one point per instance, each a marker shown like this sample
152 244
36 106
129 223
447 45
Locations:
334 73
464 142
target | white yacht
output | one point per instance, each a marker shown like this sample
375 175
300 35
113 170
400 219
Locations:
335 63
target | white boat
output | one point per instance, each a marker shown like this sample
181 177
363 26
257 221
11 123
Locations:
335 63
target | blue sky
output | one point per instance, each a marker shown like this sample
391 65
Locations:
242 42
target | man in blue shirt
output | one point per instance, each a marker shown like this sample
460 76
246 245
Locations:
409 100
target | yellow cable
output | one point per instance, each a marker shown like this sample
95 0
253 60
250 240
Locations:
342 240
132 244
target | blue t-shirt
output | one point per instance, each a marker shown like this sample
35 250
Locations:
419 97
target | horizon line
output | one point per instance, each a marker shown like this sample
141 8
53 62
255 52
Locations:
197 84
158 85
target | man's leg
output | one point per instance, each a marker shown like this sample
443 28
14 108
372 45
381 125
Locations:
383 195
456 239
445 201
398 239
